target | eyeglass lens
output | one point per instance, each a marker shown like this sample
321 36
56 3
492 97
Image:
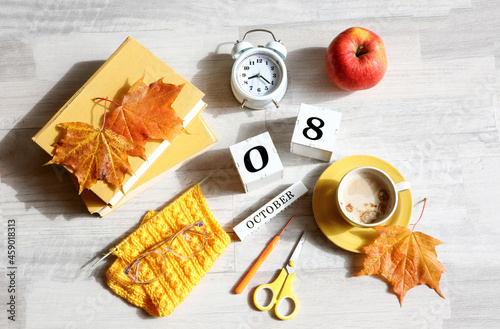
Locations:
189 242
153 264
149 268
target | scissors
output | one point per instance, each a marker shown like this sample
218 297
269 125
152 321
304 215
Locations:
281 288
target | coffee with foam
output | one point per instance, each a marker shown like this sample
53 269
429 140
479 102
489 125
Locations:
366 197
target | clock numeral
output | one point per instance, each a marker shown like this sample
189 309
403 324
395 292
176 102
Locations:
259 60
251 87
272 68
259 90
245 82
274 75
266 88
251 62
243 75
246 68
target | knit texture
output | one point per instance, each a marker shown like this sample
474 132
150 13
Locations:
159 298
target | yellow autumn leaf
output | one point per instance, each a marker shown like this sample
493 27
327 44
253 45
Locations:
404 258
95 154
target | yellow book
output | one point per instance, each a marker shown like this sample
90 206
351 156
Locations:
126 65
185 148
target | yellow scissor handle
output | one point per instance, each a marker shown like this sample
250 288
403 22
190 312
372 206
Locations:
275 288
286 293
281 289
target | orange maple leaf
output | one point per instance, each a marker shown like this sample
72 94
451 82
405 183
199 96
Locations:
95 154
146 112
404 258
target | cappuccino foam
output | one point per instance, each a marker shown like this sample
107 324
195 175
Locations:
366 197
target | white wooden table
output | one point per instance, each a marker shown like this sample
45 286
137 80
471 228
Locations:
434 117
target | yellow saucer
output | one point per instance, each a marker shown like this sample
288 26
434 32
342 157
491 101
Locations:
327 216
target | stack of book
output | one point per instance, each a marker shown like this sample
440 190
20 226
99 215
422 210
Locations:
126 65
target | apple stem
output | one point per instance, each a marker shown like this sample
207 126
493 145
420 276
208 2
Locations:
360 51
423 207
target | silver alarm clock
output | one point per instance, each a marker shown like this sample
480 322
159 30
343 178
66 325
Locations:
259 76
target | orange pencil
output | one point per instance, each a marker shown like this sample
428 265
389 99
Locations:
260 260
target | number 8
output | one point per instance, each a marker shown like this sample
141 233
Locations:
316 129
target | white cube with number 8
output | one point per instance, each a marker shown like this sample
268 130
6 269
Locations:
315 132
257 161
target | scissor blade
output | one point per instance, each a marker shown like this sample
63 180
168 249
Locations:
295 255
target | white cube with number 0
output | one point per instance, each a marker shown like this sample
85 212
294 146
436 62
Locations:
315 132
257 161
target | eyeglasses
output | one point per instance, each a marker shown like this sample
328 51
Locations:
151 264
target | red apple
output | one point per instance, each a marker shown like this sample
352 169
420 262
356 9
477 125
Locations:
355 59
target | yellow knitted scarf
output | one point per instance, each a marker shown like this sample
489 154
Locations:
159 298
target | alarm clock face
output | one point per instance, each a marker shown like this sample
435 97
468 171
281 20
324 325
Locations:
258 73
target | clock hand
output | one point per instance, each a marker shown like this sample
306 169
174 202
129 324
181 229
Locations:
258 75
264 79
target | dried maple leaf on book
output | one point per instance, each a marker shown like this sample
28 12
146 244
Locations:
146 112
95 154
404 258
102 154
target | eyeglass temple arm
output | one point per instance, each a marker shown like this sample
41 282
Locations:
195 232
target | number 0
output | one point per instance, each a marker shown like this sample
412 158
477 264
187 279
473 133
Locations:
263 154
